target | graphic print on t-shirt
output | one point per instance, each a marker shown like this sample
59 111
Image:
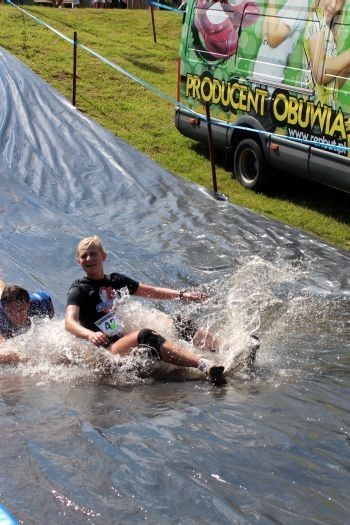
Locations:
107 295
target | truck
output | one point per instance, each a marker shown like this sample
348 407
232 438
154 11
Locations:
273 76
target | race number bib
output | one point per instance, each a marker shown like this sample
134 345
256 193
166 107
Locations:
110 325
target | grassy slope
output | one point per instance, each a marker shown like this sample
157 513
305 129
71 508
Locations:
143 118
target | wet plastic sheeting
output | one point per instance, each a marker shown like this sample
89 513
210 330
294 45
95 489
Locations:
63 177
271 448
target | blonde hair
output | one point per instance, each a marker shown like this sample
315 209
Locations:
87 242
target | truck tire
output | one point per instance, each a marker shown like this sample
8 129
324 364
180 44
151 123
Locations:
249 165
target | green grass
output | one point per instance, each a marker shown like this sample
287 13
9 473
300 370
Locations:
143 118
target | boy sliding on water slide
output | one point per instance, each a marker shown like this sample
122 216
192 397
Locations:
89 313
17 307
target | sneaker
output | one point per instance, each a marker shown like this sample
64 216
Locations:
216 374
254 347
245 359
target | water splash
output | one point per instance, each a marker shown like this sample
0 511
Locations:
260 298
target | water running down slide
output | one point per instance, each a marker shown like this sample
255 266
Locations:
62 177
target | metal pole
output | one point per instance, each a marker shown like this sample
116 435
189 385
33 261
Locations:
74 68
211 149
153 25
218 196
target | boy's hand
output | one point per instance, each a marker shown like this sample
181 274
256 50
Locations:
98 338
193 296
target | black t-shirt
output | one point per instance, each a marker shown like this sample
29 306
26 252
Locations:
95 297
